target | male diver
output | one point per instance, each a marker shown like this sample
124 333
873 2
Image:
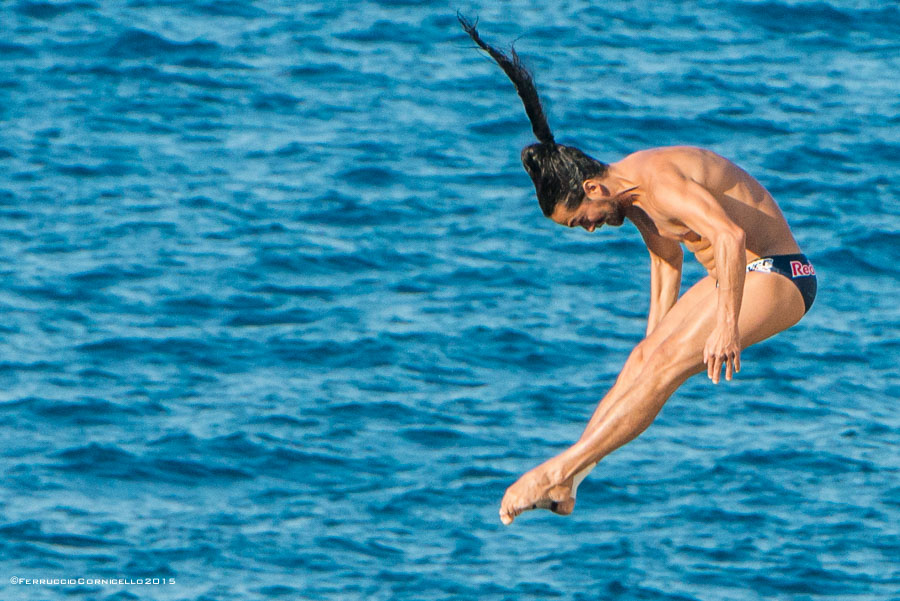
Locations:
759 282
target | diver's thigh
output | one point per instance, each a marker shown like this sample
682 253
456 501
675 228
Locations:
771 304
686 310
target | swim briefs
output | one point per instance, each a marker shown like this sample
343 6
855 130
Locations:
796 268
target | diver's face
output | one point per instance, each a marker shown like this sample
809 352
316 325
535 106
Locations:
596 209
590 214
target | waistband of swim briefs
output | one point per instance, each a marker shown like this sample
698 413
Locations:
781 263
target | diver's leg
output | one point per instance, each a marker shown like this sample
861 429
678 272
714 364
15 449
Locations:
687 304
771 304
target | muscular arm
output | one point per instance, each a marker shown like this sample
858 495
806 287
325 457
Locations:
666 260
665 284
693 205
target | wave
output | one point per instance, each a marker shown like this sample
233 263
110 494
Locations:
186 460
11 50
32 531
192 351
145 73
137 43
800 461
818 17
228 8
87 411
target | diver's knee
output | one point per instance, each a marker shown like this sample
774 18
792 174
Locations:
638 353
673 355
638 356
634 364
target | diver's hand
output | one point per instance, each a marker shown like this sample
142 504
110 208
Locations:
723 347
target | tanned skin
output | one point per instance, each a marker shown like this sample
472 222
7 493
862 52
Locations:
678 196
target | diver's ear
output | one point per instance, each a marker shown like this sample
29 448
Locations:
591 186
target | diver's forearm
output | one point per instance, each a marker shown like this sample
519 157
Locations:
731 256
669 294
665 284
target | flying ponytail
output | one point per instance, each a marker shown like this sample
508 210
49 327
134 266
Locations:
520 77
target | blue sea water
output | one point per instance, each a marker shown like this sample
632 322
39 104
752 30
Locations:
281 318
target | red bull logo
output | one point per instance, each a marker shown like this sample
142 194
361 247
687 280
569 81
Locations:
799 269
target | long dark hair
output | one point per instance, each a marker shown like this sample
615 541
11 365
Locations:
557 171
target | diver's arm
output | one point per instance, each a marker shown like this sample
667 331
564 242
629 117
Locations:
665 284
666 260
700 211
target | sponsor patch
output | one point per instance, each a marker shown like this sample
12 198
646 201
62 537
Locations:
762 265
800 269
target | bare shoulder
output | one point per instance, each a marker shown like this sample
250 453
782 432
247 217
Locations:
687 160
679 185
700 165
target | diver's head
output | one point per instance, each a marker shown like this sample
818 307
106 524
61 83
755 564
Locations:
597 207
559 172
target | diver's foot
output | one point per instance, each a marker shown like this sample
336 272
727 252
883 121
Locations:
540 488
